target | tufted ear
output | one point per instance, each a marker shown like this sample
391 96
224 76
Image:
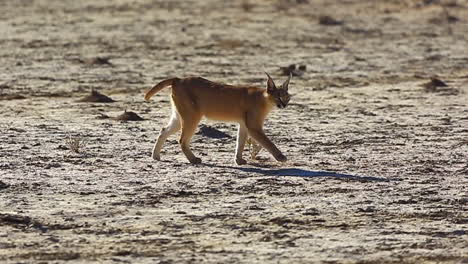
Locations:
271 87
285 85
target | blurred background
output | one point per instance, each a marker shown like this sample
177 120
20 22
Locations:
66 47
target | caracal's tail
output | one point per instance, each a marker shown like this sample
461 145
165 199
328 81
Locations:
158 87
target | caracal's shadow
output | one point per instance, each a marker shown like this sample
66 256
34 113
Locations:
304 173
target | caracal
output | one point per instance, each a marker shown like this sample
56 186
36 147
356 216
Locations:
195 97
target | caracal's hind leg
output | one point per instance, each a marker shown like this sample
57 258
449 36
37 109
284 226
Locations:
189 125
241 138
172 127
190 116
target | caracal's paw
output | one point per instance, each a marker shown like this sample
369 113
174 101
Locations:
156 157
195 161
281 158
240 161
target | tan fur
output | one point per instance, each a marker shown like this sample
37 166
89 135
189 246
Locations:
158 87
194 98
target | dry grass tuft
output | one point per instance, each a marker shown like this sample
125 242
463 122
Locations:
76 143
254 148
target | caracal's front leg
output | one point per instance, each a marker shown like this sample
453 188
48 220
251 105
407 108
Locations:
172 127
263 140
255 130
241 138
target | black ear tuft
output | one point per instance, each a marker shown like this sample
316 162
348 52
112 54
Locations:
270 84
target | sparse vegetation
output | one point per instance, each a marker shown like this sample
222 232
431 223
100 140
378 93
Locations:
76 143
254 148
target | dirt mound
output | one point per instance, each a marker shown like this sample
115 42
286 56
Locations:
129 116
96 61
96 97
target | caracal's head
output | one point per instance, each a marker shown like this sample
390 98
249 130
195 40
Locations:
279 95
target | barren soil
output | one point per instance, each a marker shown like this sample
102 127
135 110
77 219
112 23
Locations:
377 169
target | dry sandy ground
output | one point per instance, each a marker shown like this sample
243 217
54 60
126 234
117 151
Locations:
377 169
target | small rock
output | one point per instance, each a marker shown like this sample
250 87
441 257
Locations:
432 85
3 185
62 147
96 61
293 70
329 21
12 97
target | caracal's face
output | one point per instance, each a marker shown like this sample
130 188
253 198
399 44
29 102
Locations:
281 97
